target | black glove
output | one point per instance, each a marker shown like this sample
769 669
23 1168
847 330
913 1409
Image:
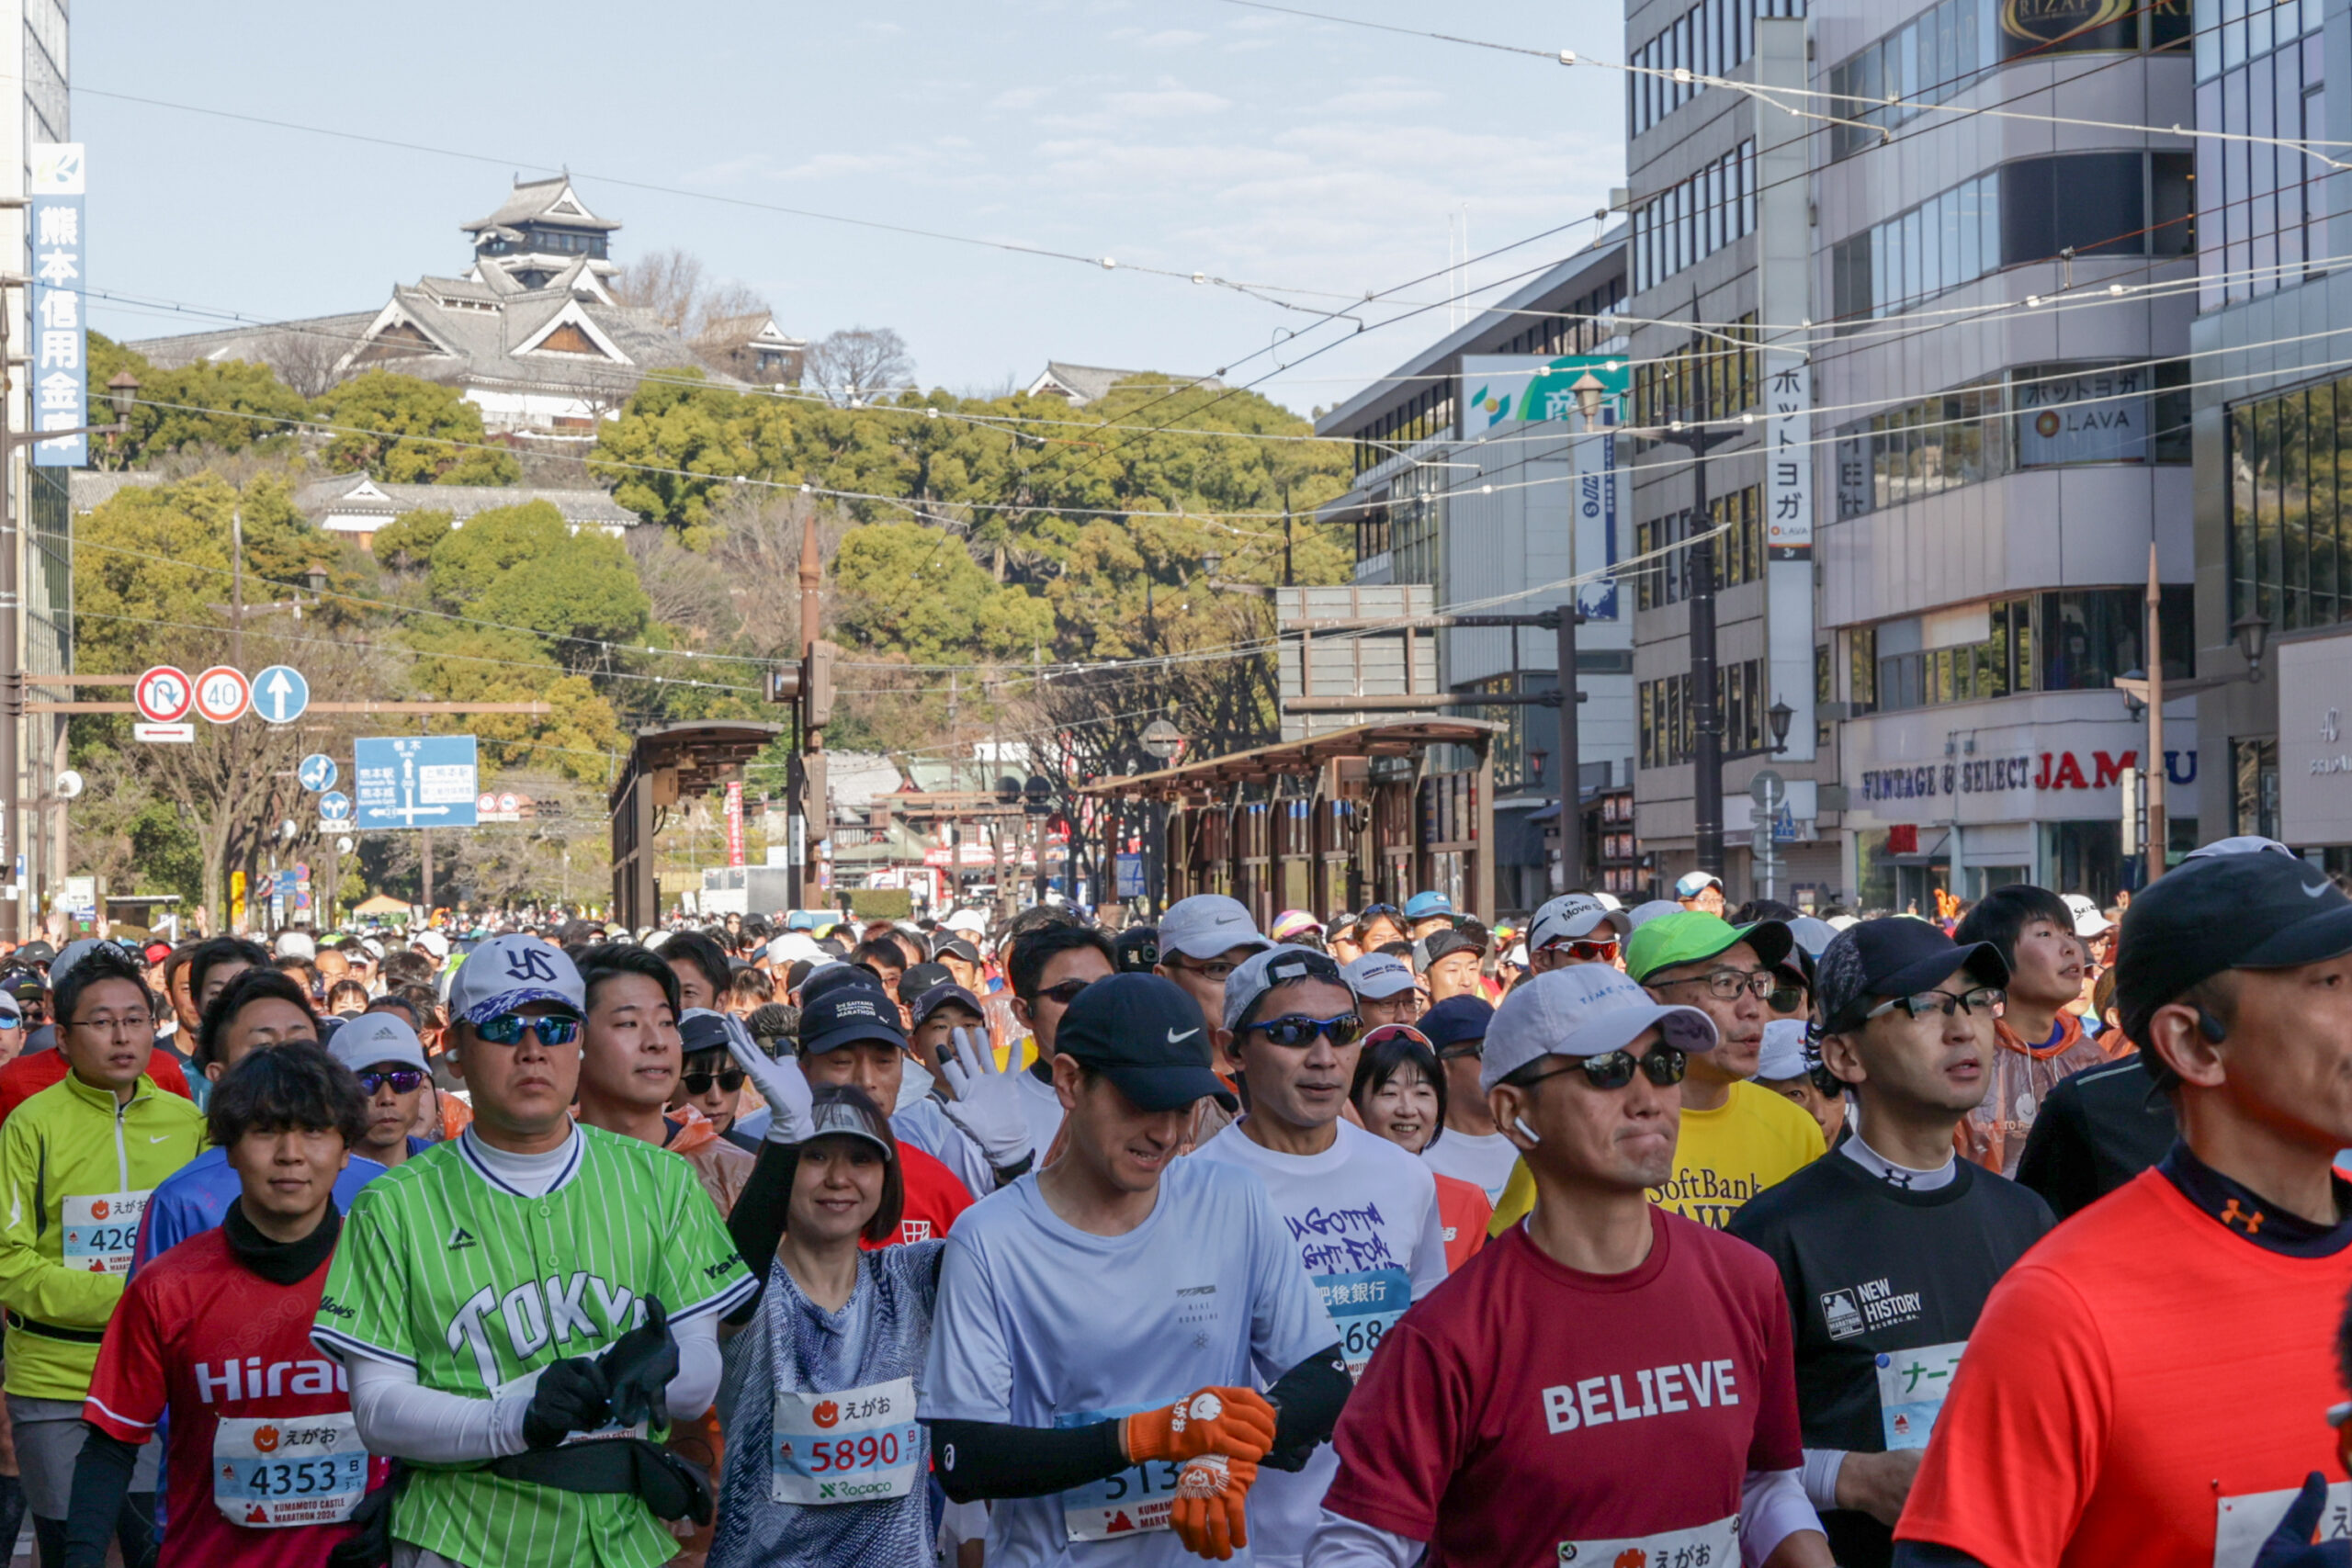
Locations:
2290 1545
639 1366
369 1544
571 1396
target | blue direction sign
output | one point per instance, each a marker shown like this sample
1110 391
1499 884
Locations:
318 771
415 781
281 694
334 806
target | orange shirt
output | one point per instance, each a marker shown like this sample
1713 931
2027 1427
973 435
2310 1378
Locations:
2142 1382
1462 1213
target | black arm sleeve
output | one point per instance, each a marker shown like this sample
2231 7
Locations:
2057 1162
1927 1554
1307 1401
995 1459
101 1482
756 1223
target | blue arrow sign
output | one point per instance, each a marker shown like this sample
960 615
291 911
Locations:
318 771
415 781
334 806
280 694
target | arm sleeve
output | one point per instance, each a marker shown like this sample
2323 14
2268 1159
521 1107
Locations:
1772 1507
1341 1542
690 1393
2033 1397
980 1459
366 1320
1429 1268
2057 1159
1403 1433
1819 1474
101 1483
1307 1400
1778 1442
756 1223
128 1388
160 1228
399 1419
29 1284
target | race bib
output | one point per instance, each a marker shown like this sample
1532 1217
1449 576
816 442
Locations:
1365 1306
1137 1498
1707 1546
2242 1524
1911 1389
102 1229
272 1472
858 1446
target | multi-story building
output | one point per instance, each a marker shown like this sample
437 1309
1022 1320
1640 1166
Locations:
2271 422
1990 304
1496 496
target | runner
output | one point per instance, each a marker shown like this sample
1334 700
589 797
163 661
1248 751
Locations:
1736 1137
1048 969
827 1463
971 1118
1789 1067
2095 1131
2153 1365
1085 1425
41 1065
1474 1149
384 1052
1888 1248
529 1281
849 1034
1576 928
1361 1214
1608 1384
709 1083
2041 1042
1449 960
78 1162
1385 990
1203 940
1399 1093
265 1464
1701 892
704 975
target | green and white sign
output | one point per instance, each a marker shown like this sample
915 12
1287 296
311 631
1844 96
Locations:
1505 388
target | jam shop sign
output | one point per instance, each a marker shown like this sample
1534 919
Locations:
2026 771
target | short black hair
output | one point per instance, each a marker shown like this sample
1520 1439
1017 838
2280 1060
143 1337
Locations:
753 984
701 950
2002 915
343 989
1396 1047
296 1086
104 961
405 966
1757 910
611 960
252 985
772 1024
1033 948
216 951
885 948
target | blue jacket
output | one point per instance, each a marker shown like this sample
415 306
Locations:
196 1198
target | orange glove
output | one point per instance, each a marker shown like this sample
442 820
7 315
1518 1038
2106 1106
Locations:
1236 1422
1207 1514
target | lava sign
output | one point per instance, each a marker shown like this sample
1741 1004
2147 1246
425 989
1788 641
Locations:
415 781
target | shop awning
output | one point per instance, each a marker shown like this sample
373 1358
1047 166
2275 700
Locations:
1294 759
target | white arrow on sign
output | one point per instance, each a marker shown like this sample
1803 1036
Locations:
282 694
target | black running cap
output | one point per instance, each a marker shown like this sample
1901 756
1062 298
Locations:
1146 1034
2218 912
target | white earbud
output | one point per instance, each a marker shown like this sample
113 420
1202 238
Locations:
1526 1131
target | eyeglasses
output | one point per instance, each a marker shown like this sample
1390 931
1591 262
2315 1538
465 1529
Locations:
507 1029
1986 999
404 1080
1584 951
1216 969
1470 1050
126 1023
1373 911
1065 992
1789 998
1662 1065
699 1084
1388 1032
1341 1029
1726 984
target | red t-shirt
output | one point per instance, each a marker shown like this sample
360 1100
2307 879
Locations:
1462 1213
933 1199
200 1335
2140 1377
28 1076
1523 1412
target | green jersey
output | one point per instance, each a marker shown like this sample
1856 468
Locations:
443 1268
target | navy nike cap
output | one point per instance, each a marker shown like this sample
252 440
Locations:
1144 1032
2245 910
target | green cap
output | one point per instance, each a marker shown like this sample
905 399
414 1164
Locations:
1694 936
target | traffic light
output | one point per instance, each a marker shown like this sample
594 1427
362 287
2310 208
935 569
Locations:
816 683
783 685
806 771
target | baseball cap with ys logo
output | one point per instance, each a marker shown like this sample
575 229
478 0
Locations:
514 971
1146 1034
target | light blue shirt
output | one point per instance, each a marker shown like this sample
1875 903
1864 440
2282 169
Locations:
1042 1325
196 1198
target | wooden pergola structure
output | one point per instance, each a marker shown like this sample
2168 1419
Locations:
665 766
1333 821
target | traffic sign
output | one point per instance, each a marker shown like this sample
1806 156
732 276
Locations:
183 734
334 806
280 694
164 694
1768 789
1162 739
415 781
510 802
318 771
224 695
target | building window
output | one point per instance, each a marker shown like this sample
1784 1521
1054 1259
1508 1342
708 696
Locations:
2260 73
1416 518
2291 530
1665 719
1706 378
1688 222
2076 640
1516 743
1712 38
1739 551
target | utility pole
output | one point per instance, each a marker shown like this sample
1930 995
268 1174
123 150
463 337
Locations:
2153 767
1707 747
813 809
427 878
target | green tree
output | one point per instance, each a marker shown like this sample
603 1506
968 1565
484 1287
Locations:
407 542
916 592
224 406
407 431
678 445
523 568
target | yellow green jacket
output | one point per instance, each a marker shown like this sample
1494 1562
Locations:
73 1141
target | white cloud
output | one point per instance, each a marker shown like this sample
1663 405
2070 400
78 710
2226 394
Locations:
1018 98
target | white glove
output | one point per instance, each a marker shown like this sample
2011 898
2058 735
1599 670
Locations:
987 1103
781 1084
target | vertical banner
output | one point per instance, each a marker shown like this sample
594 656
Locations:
61 376
1595 456
1788 542
735 823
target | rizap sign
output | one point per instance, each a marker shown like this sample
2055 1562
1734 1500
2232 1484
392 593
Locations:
1506 388
2316 741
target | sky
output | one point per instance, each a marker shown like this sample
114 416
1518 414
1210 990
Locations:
1193 135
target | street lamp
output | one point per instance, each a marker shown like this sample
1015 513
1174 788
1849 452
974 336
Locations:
1587 388
2134 684
2252 630
1780 714
122 392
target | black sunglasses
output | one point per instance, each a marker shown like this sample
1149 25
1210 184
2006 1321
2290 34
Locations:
1065 992
1662 1065
1296 1030
404 1080
698 1084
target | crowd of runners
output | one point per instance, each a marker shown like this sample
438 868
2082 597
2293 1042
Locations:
1677 1236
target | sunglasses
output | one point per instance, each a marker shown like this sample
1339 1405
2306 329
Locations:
404 1080
1584 951
1788 999
1065 992
1987 998
1388 1032
1662 1065
6 1023
1373 911
699 1084
507 1029
1341 1029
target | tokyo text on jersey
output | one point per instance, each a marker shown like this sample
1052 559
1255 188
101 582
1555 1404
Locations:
445 1269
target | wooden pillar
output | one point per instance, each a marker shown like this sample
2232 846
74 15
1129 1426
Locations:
1482 827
